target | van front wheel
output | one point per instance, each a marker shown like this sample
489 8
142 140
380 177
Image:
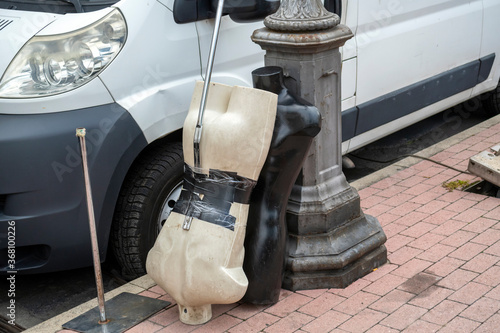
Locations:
146 199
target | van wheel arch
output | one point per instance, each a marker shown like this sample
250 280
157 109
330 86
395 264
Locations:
152 182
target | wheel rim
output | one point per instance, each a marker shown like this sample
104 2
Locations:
168 205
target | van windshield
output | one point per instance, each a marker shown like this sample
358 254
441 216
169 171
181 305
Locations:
56 6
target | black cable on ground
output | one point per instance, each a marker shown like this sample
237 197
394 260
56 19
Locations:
411 155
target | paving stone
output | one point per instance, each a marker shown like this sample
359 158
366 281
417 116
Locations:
387 218
491 277
488 237
445 266
494 293
494 249
436 252
393 229
471 214
392 191
418 189
412 268
457 279
458 238
392 301
180 327
367 192
421 326
166 317
488 204
321 304
255 324
246 310
467 251
220 324
288 305
419 283
479 225
356 303
326 322
381 329
313 293
418 229
481 310
290 323
449 227
363 321
459 324
352 289
380 272
144 327
425 197
398 199
372 201
397 241
404 208
412 218
403 255
491 325
426 241
440 217
433 206
444 312
431 297
403 317
385 284
469 293
481 263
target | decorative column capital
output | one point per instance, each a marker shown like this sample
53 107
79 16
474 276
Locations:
301 15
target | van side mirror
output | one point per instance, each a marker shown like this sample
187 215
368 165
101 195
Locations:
186 11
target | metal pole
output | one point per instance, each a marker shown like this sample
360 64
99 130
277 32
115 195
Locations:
208 76
80 133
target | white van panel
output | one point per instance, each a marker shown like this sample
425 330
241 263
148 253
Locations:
154 74
490 43
393 126
432 36
237 56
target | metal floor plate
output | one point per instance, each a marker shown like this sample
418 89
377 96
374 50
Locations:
123 311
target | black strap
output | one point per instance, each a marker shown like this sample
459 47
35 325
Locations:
219 189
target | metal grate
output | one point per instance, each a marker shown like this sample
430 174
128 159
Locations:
4 23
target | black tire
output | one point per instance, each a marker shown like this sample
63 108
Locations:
155 176
491 101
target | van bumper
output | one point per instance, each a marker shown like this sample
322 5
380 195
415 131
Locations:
42 187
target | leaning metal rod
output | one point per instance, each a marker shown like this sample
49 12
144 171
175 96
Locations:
80 133
199 125
208 76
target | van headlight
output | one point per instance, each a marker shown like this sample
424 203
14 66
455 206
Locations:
49 65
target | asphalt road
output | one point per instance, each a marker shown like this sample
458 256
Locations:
40 297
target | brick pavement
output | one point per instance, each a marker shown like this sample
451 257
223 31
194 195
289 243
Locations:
443 273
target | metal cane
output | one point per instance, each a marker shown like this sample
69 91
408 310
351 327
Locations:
80 133
199 125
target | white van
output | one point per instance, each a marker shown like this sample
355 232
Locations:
125 70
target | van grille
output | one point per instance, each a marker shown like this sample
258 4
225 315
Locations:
4 23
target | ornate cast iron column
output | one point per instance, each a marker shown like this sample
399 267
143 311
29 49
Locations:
331 242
